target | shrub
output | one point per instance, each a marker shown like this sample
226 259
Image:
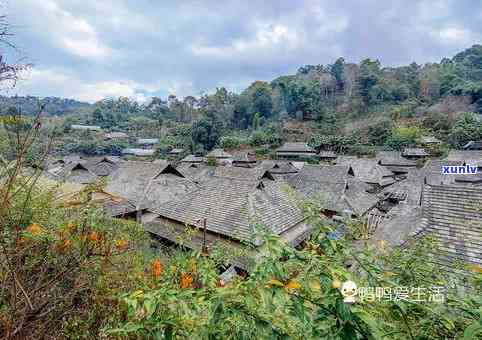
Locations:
230 142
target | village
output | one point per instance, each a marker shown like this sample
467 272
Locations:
225 196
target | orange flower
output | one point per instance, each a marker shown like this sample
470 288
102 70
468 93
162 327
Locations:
186 280
34 229
156 268
93 236
121 245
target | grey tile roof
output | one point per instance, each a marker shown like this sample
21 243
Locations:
139 152
148 184
244 157
369 171
75 172
414 152
232 207
334 185
247 174
279 167
85 127
472 157
192 159
147 141
219 153
472 145
113 135
394 158
327 154
430 140
297 147
453 215
176 151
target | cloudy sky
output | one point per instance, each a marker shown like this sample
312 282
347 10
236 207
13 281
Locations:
90 49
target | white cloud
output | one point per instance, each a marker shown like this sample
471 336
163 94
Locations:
66 84
455 35
63 29
268 37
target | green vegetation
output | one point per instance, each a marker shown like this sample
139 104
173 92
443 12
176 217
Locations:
377 104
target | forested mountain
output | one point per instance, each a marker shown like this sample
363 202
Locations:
29 105
345 104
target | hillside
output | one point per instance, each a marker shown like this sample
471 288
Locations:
52 105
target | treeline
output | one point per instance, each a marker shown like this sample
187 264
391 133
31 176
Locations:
53 106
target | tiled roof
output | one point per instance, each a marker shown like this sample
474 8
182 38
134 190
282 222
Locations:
247 174
192 159
430 140
279 167
139 152
453 215
335 187
472 157
394 158
149 141
369 171
419 152
148 184
219 153
232 207
327 154
296 147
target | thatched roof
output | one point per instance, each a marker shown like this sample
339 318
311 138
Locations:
414 152
453 215
232 207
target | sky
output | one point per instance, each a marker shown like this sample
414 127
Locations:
91 49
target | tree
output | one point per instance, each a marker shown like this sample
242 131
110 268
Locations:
467 128
256 121
206 131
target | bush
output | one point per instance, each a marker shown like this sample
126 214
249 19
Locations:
403 136
467 128
230 142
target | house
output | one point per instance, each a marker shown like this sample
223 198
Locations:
244 159
103 166
192 159
327 156
336 188
393 161
85 127
175 152
430 140
296 151
463 157
472 145
115 135
456 223
147 184
221 156
147 142
75 172
196 172
242 174
280 170
231 212
414 153
369 171
139 152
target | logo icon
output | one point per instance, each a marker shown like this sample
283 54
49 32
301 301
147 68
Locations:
349 291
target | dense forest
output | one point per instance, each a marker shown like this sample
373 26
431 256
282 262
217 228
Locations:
348 106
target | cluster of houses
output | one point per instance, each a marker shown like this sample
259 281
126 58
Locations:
399 196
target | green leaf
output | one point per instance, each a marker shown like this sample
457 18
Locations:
472 330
